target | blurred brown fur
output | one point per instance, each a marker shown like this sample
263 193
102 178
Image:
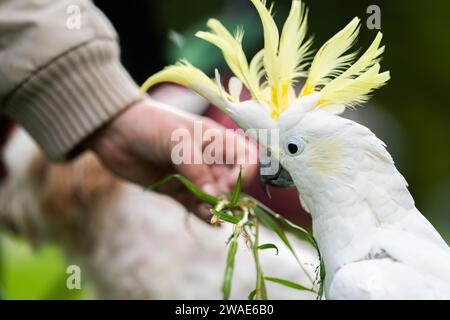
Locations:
68 195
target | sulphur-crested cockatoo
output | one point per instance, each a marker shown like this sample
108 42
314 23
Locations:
374 242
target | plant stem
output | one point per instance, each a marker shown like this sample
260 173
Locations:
261 291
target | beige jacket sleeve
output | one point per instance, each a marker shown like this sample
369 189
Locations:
60 75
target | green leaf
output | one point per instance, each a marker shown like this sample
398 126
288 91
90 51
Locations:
268 246
271 224
237 191
189 185
322 278
289 284
226 217
322 269
299 232
226 287
251 295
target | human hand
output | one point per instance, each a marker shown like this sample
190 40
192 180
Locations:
137 147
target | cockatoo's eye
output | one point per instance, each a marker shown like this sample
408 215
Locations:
295 146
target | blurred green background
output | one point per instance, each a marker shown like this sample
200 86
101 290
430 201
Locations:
34 273
411 114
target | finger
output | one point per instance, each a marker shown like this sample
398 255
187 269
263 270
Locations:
246 157
200 174
221 173
194 205
249 172
202 211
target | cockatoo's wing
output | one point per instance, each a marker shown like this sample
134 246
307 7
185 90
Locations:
409 260
405 267
385 279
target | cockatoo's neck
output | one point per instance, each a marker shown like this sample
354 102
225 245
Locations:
350 201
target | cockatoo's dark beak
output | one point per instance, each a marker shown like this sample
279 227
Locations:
280 179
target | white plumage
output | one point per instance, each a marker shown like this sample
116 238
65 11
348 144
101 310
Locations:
375 243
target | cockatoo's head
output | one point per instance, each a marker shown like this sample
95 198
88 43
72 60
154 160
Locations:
306 118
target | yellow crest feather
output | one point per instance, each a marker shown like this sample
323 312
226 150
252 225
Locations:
233 53
283 60
294 50
271 40
183 73
330 59
354 85
285 57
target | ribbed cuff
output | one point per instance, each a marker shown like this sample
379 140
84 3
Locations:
71 97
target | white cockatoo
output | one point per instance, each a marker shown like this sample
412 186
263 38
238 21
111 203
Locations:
374 242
